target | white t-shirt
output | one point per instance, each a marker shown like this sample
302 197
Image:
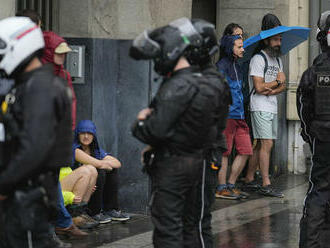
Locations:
257 64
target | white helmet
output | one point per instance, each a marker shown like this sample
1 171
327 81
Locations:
19 39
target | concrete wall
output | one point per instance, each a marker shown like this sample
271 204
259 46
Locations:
247 13
117 19
7 8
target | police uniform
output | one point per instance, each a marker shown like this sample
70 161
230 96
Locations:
179 128
313 105
37 119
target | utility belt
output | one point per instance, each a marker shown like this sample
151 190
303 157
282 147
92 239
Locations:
150 156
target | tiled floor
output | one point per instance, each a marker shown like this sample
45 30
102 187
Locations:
259 222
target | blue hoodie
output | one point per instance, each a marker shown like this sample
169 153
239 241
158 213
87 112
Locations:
229 67
86 126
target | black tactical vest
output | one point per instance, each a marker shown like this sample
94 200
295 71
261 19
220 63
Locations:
322 92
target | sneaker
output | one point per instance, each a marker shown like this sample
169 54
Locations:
268 190
117 215
240 193
102 218
84 222
251 186
226 194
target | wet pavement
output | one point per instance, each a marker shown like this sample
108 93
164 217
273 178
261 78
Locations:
258 222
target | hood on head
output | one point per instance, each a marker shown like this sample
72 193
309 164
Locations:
89 127
52 41
227 44
85 126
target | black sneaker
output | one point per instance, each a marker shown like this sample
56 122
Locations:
251 186
102 218
268 190
117 215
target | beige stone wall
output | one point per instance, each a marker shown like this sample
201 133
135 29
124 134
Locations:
247 13
7 8
117 19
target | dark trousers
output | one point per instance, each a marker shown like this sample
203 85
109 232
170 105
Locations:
175 182
110 192
210 184
14 235
315 220
106 194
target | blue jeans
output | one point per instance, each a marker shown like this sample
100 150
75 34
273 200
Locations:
63 217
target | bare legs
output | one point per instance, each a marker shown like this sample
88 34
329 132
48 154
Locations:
261 155
81 182
236 169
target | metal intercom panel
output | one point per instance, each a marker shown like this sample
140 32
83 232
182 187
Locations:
75 64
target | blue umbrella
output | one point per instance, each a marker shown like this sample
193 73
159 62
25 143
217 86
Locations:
291 37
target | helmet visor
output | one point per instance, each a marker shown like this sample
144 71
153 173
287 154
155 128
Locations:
144 47
188 32
3 46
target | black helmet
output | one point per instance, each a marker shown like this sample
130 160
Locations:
323 25
165 45
201 55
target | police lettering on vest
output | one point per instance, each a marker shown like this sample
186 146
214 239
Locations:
322 94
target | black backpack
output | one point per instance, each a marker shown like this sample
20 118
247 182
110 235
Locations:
247 92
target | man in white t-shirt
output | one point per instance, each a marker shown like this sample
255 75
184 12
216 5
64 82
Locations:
266 83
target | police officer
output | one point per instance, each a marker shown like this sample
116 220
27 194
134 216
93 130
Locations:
37 121
217 89
313 105
178 125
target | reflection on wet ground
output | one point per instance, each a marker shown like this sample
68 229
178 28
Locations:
259 222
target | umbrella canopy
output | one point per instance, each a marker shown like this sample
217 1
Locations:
291 37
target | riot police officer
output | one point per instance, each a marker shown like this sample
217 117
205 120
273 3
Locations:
178 125
313 105
36 115
217 89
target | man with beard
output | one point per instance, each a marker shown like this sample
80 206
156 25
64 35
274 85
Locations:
266 84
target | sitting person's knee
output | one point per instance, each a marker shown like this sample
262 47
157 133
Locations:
84 171
92 170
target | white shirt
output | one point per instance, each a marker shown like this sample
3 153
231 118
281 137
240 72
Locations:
257 64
